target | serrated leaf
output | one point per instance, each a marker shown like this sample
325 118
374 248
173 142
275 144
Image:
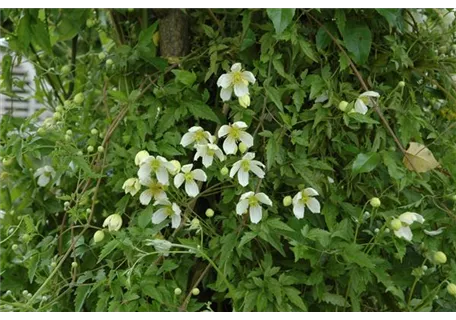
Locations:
201 110
295 298
281 18
275 96
81 294
418 158
357 40
277 224
365 162
334 299
185 77
107 249
307 49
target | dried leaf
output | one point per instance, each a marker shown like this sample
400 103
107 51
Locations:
419 158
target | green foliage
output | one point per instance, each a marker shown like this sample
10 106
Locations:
305 62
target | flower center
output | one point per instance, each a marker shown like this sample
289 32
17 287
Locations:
235 132
245 165
237 77
253 201
210 152
156 188
188 176
304 198
155 164
199 136
169 211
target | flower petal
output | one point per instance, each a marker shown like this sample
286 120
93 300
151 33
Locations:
159 216
224 130
370 94
405 233
297 197
235 168
187 168
243 177
191 188
43 180
257 171
145 197
179 180
246 138
207 160
434 232
310 192
247 75
236 67
175 221
225 80
255 214
240 125
247 195
313 205
242 206
162 175
187 139
360 107
262 197
229 145
199 175
225 93
241 89
298 210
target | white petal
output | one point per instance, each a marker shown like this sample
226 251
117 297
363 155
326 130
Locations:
240 124
225 80
242 206
220 154
255 214
207 161
313 205
39 172
199 175
144 173
246 138
140 157
370 94
298 210
162 202
176 209
247 75
145 197
187 139
247 195
161 195
179 179
434 232
195 129
360 107
243 177
162 175
310 192
187 168
257 171
297 197
257 163
224 130
191 188
175 221
235 168
236 67
159 216
229 145
410 217
43 180
225 93
241 89
405 233
264 198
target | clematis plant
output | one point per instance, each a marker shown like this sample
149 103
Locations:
195 135
364 100
156 165
167 210
44 175
401 225
234 133
154 190
237 80
305 198
244 166
251 201
208 151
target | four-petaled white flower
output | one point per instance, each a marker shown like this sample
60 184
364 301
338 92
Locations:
235 132
189 176
131 186
305 198
407 219
242 167
154 190
167 209
364 100
251 201
237 80
44 174
195 135
208 151
140 157
157 165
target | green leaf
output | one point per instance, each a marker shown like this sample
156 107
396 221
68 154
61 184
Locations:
294 295
357 40
353 254
32 264
275 97
145 217
362 118
185 77
277 224
201 110
335 299
323 40
281 18
249 40
81 294
307 49
107 249
365 162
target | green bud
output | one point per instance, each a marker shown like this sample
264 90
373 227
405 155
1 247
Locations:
453 197
287 201
14 247
74 264
439 257
343 106
98 236
90 23
401 84
387 230
88 211
396 224
25 292
109 62
451 288
26 238
424 267
377 230
67 138
375 202
224 171
90 149
59 109
79 153
100 149
209 213
57 115
69 132
66 103
195 291
102 56
79 98
65 69
94 131
177 291
53 264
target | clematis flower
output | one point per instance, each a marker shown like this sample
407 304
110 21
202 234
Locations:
237 80
154 190
195 135
156 165
44 174
189 176
208 151
364 100
131 186
235 132
406 220
167 210
113 222
305 198
160 245
244 166
140 157
251 201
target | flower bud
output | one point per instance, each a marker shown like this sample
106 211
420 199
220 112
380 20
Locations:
113 222
90 149
109 62
453 197
79 153
209 213
401 84
98 236
387 230
224 171
424 267
287 201
26 238
65 69
396 224
343 106
439 257
451 288
243 147
74 264
177 291
57 116
377 230
375 202
366 215
195 291
244 101
69 132
100 149
53 264
79 98
59 109
67 138
177 166
14 247
102 56
25 292
94 131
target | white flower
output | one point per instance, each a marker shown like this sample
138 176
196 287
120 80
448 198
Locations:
235 132
154 190
161 246
44 174
195 135
305 198
189 176
251 201
140 157
167 209
131 186
242 167
157 165
364 100
113 222
407 219
237 80
207 152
